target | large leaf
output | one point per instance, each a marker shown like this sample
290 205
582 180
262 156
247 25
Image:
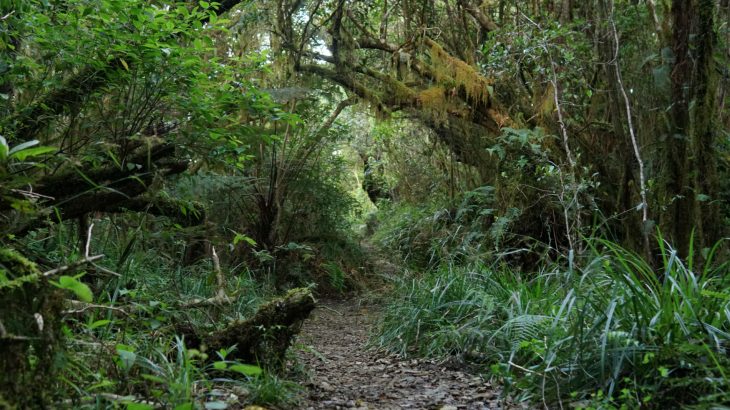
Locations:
3 148
31 152
72 283
246 369
23 146
127 356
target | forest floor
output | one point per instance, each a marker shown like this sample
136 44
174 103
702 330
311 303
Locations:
343 373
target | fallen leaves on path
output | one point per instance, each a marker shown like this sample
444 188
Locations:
344 374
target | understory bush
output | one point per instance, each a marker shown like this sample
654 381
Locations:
285 232
462 230
612 333
121 347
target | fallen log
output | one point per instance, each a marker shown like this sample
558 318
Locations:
261 339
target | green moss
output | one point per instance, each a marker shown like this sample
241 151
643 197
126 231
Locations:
453 72
9 258
264 337
16 269
27 349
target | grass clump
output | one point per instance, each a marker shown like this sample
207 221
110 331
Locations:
615 333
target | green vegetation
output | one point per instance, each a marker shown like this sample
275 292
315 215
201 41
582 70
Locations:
179 179
610 333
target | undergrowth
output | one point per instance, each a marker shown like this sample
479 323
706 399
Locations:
614 333
467 228
124 349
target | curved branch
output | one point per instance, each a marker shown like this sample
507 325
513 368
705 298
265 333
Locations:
484 21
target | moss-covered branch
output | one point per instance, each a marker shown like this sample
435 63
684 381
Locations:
265 336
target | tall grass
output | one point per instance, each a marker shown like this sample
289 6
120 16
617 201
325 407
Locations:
616 332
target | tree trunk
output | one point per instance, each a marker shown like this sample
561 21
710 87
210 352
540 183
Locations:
690 181
707 212
677 223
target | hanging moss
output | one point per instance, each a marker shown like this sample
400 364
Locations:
434 101
454 72
545 103
402 93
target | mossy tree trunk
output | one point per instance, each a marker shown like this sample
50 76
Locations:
30 333
689 179
264 337
704 132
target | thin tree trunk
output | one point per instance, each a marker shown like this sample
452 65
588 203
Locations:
677 195
703 128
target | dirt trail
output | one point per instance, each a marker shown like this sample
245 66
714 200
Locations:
344 374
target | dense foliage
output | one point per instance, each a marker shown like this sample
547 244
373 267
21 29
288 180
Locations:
551 177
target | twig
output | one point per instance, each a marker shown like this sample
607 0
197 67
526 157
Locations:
221 293
32 195
86 254
4 335
566 145
76 264
634 143
556 99
105 270
330 309
88 240
524 369
220 298
82 307
15 338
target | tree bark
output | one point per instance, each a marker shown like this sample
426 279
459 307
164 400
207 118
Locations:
691 181
677 194
110 189
706 183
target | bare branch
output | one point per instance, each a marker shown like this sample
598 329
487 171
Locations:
484 21
89 259
80 307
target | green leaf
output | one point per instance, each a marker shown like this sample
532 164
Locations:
127 355
246 369
220 365
3 148
153 378
713 294
99 323
23 146
139 406
204 4
31 152
104 383
128 358
241 237
80 289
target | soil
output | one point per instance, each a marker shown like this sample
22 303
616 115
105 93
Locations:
343 373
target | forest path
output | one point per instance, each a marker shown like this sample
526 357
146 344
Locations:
345 374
